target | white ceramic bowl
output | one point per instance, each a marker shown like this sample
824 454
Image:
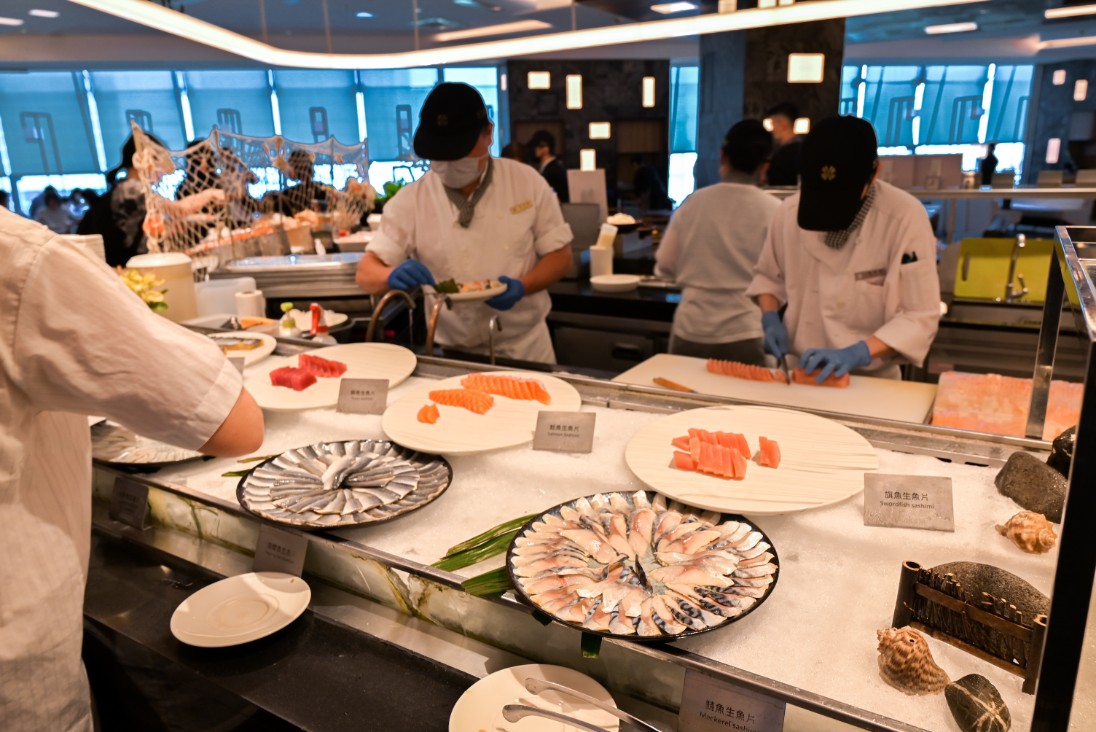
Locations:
614 282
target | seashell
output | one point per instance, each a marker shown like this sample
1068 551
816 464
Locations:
905 662
1030 531
977 705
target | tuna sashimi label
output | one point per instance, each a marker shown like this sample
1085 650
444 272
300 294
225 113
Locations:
362 396
564 431
909 502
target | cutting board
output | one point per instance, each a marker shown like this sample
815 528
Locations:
866 396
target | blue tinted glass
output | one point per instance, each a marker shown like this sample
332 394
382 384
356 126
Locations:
46 123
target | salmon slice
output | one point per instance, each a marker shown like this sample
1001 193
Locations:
683 461
429 414
739 461
744 371
769 453
470 399
799 376
681 443
324 368
513 387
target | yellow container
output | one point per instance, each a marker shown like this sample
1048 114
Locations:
982 271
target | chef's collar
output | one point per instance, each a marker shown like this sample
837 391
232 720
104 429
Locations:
466 205
838 239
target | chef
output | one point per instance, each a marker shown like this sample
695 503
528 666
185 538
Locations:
473 217
852 258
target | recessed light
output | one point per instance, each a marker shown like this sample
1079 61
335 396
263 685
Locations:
587 159
802 126
539 79
600 130
648 92
1069 12
671 8
10 21
363 14
1054 148
573 86
43 13
1080 90
1059 77
499 29
806 68
935 30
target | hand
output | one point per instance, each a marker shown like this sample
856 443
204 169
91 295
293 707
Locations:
408 275
835 361
514 292
776 335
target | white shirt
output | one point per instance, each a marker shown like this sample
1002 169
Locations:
517 222
838 297
74 341
710 249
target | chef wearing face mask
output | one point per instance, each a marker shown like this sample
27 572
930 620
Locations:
473 217
854 260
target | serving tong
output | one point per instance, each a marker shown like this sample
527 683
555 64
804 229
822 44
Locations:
536 686
515 712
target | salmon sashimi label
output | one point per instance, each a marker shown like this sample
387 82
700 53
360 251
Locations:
513 387
321 367
471 399
745 371
292 377
429 414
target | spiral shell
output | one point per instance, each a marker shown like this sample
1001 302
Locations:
1030 531
906 663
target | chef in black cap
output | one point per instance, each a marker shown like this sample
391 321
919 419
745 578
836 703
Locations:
472 218
852 258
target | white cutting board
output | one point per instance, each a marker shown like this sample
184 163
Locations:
866 396
821 462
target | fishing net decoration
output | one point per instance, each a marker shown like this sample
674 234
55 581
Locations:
241 195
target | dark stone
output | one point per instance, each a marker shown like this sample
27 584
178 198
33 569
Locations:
978 578
1061 452
977 705
1033 484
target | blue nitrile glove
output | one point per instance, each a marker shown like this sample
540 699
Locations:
776 335
836 361
408 275
506 300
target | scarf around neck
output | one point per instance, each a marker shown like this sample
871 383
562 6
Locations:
467 206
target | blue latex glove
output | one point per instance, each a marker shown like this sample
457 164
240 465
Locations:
408 275
776 335
835 361
506 300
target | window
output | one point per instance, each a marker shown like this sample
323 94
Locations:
684 90
316 105
486 81
1008 106
890 102
953 104
393 99
46 123
148 97
237 101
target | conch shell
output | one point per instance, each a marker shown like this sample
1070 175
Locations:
1030 531
905 662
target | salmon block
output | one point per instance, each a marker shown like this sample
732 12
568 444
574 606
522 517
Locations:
513 387
799 376
744 370
321 367
769 453
470 399
292 377
429 414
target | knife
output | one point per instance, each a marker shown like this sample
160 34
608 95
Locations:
787 369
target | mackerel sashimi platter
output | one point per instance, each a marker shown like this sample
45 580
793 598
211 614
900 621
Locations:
638 566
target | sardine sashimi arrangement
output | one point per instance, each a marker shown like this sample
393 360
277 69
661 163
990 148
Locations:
760 373
324 368
292 377
343 483
628 565
512 387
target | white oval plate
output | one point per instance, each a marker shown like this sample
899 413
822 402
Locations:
363 361
496 289
480 707
614 282
459 431
266 347
240 609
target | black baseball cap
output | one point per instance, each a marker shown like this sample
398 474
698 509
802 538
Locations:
837 160
451 121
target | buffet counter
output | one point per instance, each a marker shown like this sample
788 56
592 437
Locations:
812 644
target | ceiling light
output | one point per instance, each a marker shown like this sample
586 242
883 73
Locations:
587 159
671 8
43 13
806 68
187 26
1069 12
648 89
1067 42
935 30
1080 90
1054 148
600 130
10 21
492 30
363 14
1059 77
573 84
539 80
802 126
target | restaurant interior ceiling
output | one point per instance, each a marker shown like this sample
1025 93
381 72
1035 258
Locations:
60 33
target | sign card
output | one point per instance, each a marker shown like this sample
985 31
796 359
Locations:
280 550
362 396
908 501
129 502
713 705
564 431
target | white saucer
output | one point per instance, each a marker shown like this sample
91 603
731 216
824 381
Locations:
240 609
614 282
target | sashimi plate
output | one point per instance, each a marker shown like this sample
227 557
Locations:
252 347
114 444
822 462
363 361
635 565
486 292
459 431
350 483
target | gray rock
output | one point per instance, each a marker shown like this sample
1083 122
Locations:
978 578
977 705
1061 451
1033 484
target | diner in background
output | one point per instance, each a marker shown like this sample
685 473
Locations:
305 195
852 259
784 165
710 248
471 218
543 145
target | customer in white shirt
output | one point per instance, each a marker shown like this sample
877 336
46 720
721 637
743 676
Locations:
74 341
54 215
710 249
854 261
472 217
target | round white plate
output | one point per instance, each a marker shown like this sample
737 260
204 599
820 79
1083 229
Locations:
614 282
821 462
269 343
459 431
363 361
480 707
495 289
240 609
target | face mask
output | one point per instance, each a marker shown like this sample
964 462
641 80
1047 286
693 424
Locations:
457 173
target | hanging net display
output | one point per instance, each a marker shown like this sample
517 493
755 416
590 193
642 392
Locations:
233 196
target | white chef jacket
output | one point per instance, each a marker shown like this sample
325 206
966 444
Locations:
837 297
74 341
517 222
710 249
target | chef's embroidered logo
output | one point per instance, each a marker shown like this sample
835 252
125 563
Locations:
443 120
523 206
829 172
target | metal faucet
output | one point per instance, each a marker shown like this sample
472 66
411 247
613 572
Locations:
432 324
1011 295
492 325
379 309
